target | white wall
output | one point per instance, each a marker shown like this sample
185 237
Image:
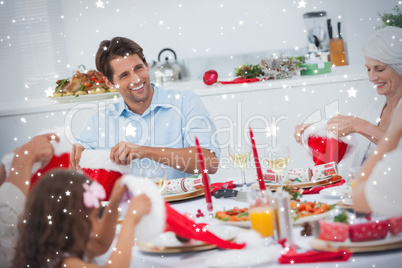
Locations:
204 34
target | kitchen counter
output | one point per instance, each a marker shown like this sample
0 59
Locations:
272 108
337 75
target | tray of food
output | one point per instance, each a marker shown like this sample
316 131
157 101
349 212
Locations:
82 86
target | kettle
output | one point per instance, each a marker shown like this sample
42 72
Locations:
167 72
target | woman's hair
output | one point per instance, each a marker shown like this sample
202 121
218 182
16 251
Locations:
111 49
386 46
55 221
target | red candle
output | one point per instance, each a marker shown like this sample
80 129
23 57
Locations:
257 162
204 177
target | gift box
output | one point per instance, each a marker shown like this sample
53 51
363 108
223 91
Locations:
333 231
395 225
315 68
367 231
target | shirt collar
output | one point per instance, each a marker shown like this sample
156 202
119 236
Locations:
159 99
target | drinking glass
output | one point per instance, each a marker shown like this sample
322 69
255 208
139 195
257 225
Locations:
240 154
354 173
262 214
155 173
278 160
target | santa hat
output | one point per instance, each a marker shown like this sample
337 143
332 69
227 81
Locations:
324 145
98 166
60 159
164 218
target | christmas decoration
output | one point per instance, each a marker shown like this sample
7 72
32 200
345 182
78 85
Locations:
249 71
210 77
279 67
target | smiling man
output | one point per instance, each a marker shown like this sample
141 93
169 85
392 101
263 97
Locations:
149 122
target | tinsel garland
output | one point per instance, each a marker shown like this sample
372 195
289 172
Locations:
279 67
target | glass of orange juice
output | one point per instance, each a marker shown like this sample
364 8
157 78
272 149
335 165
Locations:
354 173
262 213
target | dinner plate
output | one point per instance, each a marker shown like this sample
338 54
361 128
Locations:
168 242
390 242
241 258
335 191
241 224
316 217
88 97
183 196
322 182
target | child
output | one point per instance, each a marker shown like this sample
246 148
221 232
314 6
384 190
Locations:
60 226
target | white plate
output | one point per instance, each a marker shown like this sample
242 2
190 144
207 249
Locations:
178 194
88 97
335 191
242 224
317 217
241 258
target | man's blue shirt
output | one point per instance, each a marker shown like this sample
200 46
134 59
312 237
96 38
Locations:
173 119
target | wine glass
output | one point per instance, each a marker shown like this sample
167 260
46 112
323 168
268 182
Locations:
278 160
155 173
240 154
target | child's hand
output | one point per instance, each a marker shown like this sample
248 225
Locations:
139 206
117 193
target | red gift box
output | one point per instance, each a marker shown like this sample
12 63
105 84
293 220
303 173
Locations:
395 225
333 231
368 231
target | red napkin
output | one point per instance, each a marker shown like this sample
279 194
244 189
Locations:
222 185
184 227
293 257
61 161
316 190
326 150
104 177
240 80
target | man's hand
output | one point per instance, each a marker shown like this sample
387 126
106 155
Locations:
123 152
299 129
75 156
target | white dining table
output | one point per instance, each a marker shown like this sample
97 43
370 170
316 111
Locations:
390 258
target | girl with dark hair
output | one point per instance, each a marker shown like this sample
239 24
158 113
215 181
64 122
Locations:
61 228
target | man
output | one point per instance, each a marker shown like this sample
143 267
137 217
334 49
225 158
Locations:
149 122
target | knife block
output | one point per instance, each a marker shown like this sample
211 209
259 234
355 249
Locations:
337 52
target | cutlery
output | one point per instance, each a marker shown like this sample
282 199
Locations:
234 194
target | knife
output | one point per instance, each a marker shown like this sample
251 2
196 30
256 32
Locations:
339 30
329 28
234 194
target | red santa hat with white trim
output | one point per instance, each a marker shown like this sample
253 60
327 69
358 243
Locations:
60 159
324 146
163 218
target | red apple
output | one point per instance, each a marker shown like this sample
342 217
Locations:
210 77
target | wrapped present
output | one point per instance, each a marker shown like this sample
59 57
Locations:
395 225
98 166
294 175
324 171
177 186
333 231
373 230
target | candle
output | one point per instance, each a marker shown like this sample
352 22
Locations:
204 177
257 162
